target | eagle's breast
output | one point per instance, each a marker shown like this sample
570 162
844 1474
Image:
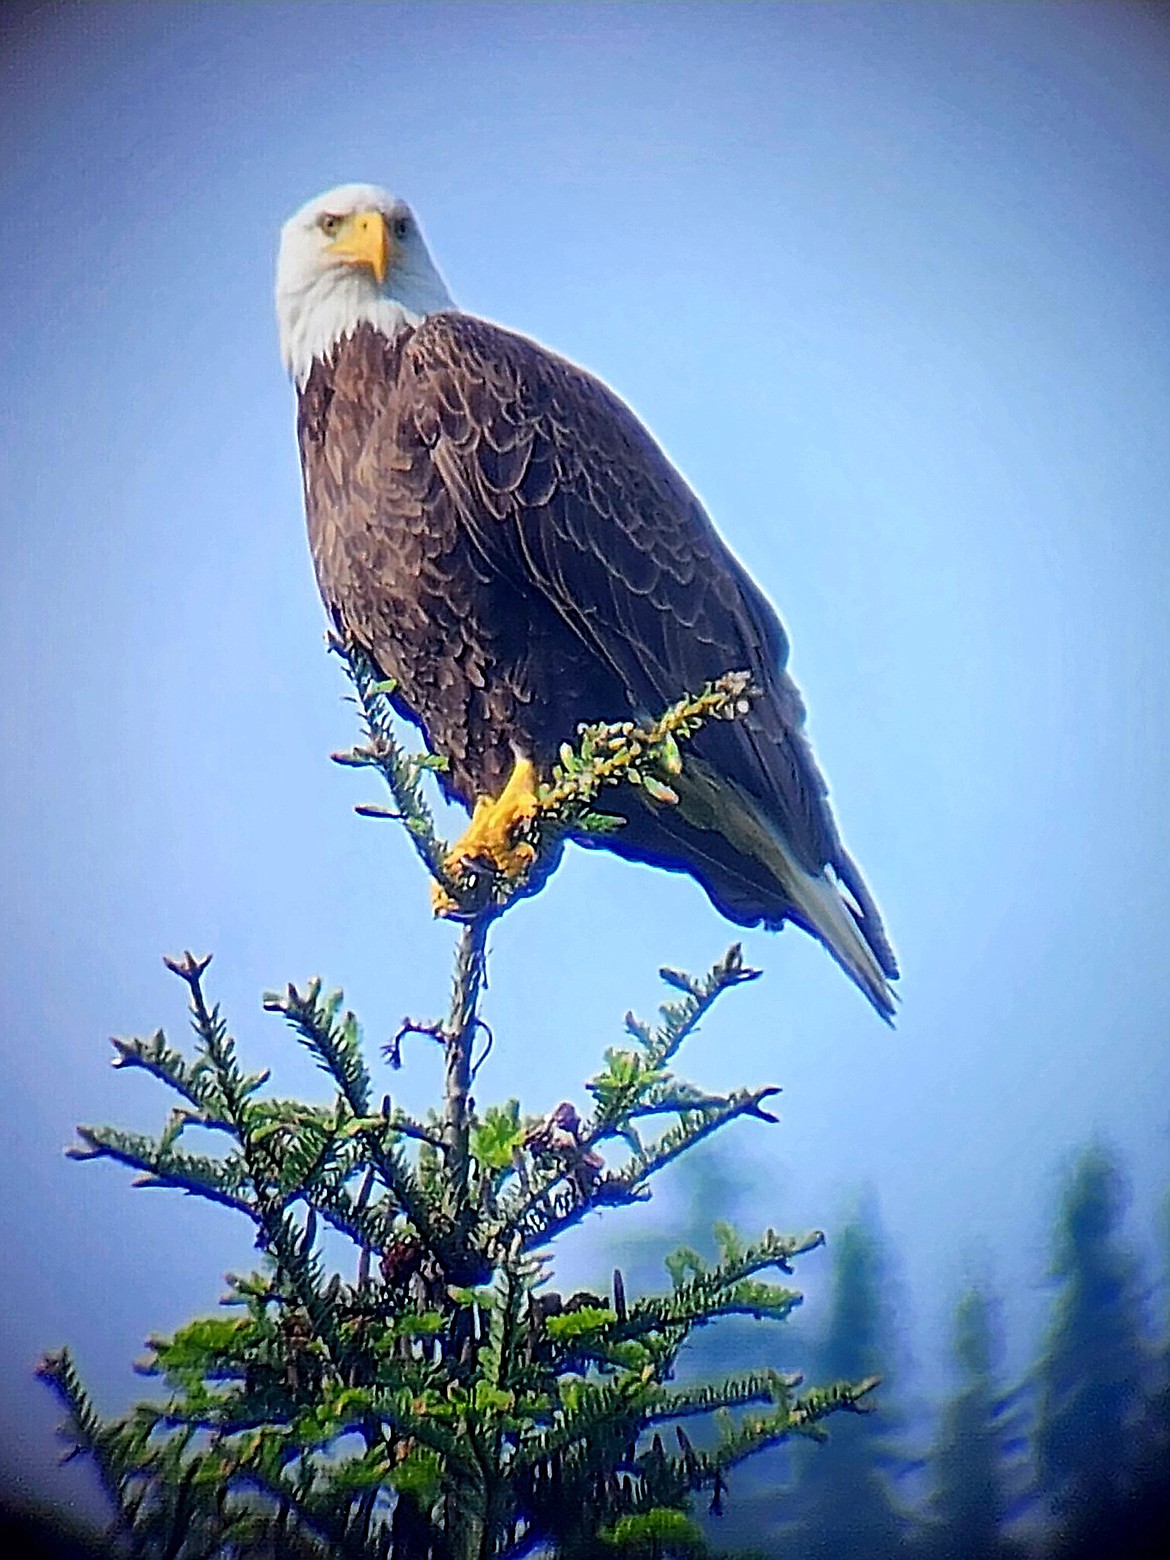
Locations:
483 663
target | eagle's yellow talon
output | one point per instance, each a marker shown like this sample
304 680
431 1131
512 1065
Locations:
489 834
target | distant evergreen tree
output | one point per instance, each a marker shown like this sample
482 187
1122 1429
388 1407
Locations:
1092 1367
1137 1525
842 1504
1153 1470
1156 1417
970 1464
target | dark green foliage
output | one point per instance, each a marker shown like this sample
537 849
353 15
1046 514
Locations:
841 1503
1154 1435
653 1535
441 1367
973 1462
1143 1523
432 1397
1091 1371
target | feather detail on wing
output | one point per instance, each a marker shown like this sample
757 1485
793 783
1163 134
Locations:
563 490
517 551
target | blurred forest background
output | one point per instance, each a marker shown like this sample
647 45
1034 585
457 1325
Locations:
1069 1457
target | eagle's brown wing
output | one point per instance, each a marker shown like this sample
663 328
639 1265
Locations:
563 492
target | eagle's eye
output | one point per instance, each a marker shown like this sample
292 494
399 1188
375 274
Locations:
401 227
329 222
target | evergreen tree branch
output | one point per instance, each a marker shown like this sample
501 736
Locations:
559 1198
666 1478
607 754
554 1207
218 1180
83 1429
316 1515
803 1415
566 1185
382 751
305 1273
763 1386
587 1408
367 1225
302 1266
333 1038
693 1127
681 1019
336 1045
192 1080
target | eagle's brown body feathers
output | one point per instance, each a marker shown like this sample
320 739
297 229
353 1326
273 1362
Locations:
511 545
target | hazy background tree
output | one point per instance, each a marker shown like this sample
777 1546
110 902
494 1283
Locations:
841 1501
1153 1460
974 1466
1093 1363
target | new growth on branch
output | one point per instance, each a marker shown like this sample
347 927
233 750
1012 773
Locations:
605 755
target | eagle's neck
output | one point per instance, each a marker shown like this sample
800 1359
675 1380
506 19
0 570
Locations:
315 317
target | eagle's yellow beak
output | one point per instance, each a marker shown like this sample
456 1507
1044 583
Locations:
363 240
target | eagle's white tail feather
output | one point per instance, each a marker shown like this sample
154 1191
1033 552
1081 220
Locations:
820 901
711 802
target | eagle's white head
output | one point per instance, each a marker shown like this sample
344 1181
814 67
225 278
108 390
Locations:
352 254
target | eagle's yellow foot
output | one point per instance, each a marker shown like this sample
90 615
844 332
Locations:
490 834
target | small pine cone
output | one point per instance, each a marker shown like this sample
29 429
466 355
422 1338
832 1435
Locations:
400 1261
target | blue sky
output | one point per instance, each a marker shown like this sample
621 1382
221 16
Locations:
889 283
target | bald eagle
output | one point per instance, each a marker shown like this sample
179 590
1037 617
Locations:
506 540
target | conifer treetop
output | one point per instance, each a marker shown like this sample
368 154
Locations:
434 1397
